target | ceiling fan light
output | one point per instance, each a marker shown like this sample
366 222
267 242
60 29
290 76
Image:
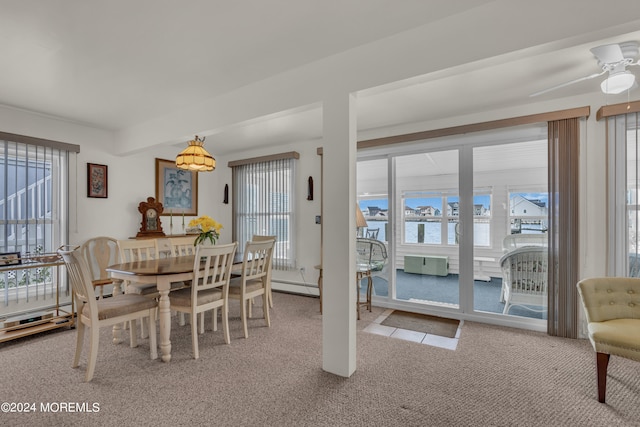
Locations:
618 82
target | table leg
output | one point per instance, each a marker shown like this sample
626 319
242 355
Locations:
117 328
165 325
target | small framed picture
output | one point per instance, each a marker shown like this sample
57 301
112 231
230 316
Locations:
97 182
10 258
176 189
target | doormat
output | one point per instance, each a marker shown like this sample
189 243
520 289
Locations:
422 323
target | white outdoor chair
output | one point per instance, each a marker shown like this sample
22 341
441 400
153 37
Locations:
525 278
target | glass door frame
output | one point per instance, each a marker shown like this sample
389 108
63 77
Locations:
465 309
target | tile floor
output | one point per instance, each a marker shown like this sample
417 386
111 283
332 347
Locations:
419 337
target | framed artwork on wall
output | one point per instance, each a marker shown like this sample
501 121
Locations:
97 181
176 189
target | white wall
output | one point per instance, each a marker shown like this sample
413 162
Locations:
307 232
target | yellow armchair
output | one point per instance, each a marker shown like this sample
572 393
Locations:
612 307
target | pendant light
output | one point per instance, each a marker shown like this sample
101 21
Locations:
195 157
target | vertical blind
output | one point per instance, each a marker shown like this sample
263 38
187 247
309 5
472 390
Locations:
623 140
33 208
564 144
264 204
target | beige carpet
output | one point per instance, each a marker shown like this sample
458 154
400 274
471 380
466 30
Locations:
496 377
422 323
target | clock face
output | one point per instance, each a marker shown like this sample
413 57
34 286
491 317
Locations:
152 223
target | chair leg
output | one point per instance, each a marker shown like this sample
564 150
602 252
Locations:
181 320
602 361
93 353
132 333
225 322
243 315
143 328
194 334
265 308
79 343
214 319
201 324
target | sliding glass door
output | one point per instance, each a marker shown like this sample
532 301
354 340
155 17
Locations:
452 213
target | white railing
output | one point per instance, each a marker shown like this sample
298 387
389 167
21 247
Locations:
25 226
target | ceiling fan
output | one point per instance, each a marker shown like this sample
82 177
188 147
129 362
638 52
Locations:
613 59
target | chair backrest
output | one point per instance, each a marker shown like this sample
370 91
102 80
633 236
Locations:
371 252
525 269
515 241
100 252
137 250
609 298
372 233
256 263
262 238
80 277
181 246
217 266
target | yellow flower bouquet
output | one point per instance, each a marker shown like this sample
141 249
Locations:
209 229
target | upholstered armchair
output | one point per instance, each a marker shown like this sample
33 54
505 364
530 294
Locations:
612 307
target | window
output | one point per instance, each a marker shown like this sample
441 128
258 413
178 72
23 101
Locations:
263 204
528 212
623 141
33 210
425 218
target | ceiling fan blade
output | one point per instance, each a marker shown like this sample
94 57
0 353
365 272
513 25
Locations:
608 53
568 83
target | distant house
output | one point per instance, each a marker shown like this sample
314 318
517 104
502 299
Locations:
409 211
480 210
428 211
520 206
373 210
453 209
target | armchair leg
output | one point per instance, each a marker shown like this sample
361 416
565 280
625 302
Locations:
602 361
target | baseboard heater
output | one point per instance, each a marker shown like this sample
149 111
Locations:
426 264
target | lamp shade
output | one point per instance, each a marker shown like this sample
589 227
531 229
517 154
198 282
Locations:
618 82
195 157
360 221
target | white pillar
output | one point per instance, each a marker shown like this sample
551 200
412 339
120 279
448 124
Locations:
339 230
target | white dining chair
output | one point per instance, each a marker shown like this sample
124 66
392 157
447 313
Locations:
96 313
209 290
253 280
262 238
101 252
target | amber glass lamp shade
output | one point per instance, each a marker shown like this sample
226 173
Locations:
195 157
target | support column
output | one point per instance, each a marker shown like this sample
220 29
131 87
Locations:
339 230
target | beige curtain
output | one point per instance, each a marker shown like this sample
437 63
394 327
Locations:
564 144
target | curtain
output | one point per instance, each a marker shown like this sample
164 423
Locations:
263 204
564 144
623 192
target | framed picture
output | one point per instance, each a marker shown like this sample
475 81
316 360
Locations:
10 258
97 183
176 189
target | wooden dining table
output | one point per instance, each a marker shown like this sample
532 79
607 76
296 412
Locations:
162 272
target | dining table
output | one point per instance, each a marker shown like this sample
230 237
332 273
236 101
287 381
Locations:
162 272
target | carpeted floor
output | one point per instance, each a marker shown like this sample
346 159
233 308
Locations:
496 377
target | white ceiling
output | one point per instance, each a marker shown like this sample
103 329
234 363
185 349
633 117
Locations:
117 63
